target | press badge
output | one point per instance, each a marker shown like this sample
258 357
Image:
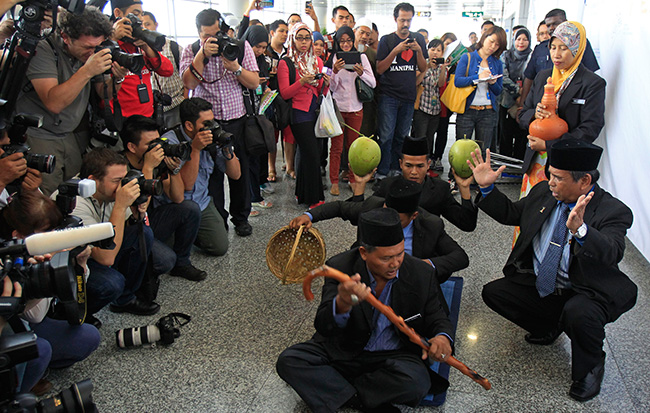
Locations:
578 101
143 93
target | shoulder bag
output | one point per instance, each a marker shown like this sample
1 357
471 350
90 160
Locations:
455 97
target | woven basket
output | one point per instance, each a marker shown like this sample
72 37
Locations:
292 253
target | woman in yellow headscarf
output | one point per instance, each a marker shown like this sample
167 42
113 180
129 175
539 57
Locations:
580 94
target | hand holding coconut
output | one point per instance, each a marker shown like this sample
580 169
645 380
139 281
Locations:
483 173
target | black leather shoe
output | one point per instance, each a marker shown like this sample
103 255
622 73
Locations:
589 386
244 229
137 307
189 272
92 320
545 340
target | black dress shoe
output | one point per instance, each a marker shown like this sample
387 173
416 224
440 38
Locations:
244 229
189 272
137 307
545 340
92 320
589 386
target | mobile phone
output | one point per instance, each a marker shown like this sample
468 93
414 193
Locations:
308 4
439 60
318 76
410 40
265 4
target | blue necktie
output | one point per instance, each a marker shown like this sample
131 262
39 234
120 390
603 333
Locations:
551 263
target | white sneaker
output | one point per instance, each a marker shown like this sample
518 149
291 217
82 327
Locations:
267 188
437 166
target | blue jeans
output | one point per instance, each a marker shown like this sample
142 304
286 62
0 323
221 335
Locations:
394 118
483 121
178 220
119 282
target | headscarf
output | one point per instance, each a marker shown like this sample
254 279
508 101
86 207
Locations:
255 35
339 33
573 35
318 36
307 63
516 59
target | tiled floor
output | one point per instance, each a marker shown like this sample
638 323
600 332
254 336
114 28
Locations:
243 318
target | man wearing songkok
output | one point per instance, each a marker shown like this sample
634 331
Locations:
357 356
562 274
424 234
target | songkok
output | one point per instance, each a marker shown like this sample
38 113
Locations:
575 155
415 147
231 21
123 4
380 227
404 196
366 22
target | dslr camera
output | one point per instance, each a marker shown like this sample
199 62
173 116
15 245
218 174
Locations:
132 61
152 38
148 187
164 330
220 138
40 162
181 151
229 48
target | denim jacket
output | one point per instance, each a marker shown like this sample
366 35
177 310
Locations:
496 68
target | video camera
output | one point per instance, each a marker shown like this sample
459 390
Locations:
132 61
148 187
154 39
220 138
229 48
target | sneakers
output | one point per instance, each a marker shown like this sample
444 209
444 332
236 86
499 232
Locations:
189 272
136 307
437 166
267 188
262 204
244 229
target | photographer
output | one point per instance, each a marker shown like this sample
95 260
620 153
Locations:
136 94
116 274
57 86
221 81
169 214
197 127
59 343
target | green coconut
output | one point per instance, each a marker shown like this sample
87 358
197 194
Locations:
364 155
459 153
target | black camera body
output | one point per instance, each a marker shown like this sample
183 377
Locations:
229 48
220 138
154 39
148 187
181 151
33 12
132 61
40 162
165 331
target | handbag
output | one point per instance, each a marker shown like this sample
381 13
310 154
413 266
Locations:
364 92
418 95
327 124
455 97
259 134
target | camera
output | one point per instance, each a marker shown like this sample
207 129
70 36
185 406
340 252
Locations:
66 199
33 11
164 331
154 39
19 348
132 61
148 187
181 151
220 138
40 162
229 48
438 60
318 76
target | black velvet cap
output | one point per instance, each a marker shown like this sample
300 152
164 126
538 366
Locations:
404 196
415 147
575 155
121 4
380 227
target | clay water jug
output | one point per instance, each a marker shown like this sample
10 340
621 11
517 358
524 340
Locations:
554 126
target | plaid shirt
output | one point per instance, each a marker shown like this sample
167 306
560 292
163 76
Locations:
226 93
430 99
173 85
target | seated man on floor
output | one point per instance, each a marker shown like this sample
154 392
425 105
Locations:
357 356
562 274
424 233
436 197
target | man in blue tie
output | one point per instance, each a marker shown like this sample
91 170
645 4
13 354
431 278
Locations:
562 274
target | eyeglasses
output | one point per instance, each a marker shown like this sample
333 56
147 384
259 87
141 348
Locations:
345 41
302 39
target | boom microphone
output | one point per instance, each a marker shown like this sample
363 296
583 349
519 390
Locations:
47 242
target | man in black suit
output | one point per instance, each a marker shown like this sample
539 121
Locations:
357 354
562 274
424 233
436 197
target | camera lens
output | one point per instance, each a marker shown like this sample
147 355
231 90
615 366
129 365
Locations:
42 163
151 187
182 151
76 398
132 61
55 278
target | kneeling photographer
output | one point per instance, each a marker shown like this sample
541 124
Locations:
170 214
58 84
211 148
60 344
117 273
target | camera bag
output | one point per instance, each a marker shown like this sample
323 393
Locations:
259 135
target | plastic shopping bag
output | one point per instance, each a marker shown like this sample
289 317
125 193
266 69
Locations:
327 124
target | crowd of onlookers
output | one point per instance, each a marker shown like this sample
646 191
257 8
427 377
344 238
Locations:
180 115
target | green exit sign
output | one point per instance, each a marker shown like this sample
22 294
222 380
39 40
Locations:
473 14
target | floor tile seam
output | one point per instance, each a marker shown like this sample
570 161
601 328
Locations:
620 373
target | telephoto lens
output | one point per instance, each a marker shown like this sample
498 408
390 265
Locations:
137 336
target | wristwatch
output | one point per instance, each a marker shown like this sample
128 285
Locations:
581 232
238 71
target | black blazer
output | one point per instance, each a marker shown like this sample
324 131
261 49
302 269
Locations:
415 292
582 106
430 241
438 200
593 267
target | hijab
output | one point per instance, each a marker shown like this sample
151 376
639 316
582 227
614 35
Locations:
255 35
573 35
306 63
515 59
339 33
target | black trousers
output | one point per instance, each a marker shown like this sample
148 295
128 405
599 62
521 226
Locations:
425 126
512 139
325 384
441 137
240 190
580 317
309 186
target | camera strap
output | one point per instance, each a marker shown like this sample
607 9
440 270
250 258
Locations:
248 102
114 120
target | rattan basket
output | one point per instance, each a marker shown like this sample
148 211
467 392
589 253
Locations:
292 253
